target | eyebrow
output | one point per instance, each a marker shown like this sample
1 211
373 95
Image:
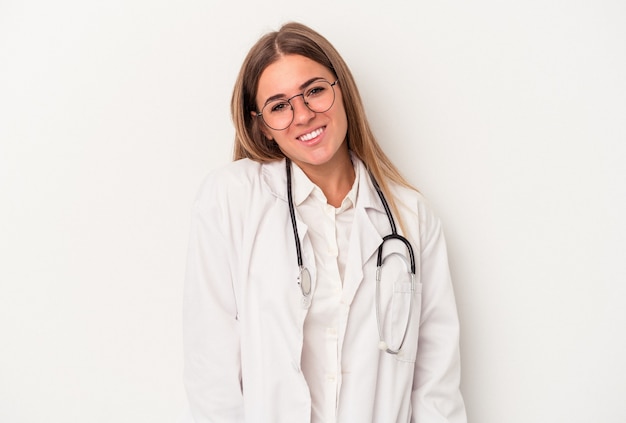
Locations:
301 88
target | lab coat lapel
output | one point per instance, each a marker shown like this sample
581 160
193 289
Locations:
364 242
308 261
365 237
276 180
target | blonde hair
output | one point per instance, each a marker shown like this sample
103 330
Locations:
296 38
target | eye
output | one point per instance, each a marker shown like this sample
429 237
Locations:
279 106
315 90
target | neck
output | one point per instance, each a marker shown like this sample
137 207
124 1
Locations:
334 179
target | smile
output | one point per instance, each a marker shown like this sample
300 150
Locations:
311 135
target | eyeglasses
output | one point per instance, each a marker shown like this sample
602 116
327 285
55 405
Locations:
318 97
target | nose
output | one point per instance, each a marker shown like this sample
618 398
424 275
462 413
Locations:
301 112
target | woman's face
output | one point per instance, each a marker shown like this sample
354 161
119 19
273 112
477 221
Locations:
313 139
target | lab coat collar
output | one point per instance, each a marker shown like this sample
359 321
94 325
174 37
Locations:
302 185
367 197
275 178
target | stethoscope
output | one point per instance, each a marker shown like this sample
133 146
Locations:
304 277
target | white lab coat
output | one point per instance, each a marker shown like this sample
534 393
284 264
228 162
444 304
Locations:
244 312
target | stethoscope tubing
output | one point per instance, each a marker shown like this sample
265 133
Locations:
304 278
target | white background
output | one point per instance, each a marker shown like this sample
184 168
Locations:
509 116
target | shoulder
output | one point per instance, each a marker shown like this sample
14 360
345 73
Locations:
416 210
412 201
240 172
228 182
237 183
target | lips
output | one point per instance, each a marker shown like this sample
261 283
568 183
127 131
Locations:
311 135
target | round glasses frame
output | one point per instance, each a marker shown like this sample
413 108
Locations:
302 94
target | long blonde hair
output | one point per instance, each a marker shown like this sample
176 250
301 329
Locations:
296 38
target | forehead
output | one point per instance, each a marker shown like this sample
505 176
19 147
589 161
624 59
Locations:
287 74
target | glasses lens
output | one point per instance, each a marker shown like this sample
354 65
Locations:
318 97
278 114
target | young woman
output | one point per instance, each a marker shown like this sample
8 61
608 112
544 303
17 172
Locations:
317 286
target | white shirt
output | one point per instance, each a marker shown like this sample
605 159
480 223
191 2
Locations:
329 230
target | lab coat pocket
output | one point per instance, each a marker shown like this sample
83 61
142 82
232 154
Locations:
405 316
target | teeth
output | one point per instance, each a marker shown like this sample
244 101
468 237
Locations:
311 135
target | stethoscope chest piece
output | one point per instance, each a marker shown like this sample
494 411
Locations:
304 280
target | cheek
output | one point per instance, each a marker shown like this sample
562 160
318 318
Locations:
340 109
341 118
282 141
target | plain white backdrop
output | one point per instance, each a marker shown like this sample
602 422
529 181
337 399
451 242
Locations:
509 116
